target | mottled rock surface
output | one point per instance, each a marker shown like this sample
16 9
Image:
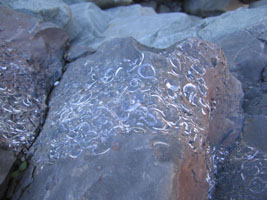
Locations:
136 123
30 63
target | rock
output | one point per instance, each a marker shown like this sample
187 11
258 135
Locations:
88 22
102 3
255 132
135 123
244 177
142 23
8 158
55 11
244 44
163 30
146 29
86 27
90 26
264 74
130 11
258 4
205 7
150 4
30 63
245 49
248 1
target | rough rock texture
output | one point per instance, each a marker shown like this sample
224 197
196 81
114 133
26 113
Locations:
244 44
205 7
55 11
245 175
30 63
136 123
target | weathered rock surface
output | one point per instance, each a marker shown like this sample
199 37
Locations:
244 177
136 123
30 63
205 7
55 11
241 34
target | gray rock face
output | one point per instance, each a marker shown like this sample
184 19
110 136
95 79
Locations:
205 7
245 175
88 23
215 29
7 157
135 123
139 22
30 63
163 30
55 11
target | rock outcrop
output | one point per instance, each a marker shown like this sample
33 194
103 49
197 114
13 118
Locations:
30 63
136 123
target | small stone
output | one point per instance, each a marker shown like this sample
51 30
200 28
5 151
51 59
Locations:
56 83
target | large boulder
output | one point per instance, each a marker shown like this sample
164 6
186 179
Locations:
136 123
55 11
30 63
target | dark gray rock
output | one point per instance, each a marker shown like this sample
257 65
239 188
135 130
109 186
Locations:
205 7
7 157
136 123
102 3
244 175
258 4
30 63
264 74
255 131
